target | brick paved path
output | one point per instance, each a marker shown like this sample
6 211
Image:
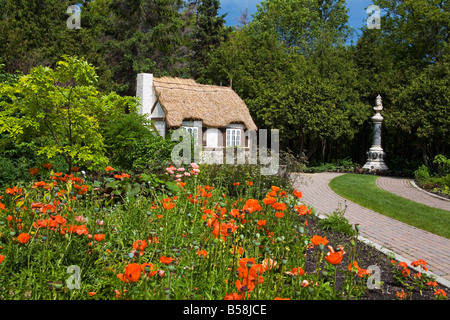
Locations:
404 188
408 242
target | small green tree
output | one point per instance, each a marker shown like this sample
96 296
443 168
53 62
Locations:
63 111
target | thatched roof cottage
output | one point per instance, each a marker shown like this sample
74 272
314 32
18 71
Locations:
215 115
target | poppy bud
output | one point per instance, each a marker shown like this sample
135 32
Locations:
321 247
58 285
357 227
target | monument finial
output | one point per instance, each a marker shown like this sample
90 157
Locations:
378 105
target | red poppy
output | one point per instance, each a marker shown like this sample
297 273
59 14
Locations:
235 184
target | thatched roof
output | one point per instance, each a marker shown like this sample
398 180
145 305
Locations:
216 106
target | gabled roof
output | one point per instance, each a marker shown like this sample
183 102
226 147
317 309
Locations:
216 106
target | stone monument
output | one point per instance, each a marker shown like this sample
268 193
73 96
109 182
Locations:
376 155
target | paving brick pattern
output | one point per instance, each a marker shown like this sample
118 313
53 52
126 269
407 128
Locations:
404 240
405 188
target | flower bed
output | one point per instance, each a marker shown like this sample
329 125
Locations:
173 237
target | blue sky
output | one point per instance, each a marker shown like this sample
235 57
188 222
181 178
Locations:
357 13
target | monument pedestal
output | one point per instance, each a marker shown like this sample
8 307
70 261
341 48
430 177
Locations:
376 155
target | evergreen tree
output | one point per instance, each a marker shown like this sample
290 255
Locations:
209 32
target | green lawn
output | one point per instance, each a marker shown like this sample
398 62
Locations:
362 189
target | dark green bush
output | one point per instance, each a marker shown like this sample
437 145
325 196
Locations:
132 145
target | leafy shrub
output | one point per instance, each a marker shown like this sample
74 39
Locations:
17 159
336 222
131 145
422 175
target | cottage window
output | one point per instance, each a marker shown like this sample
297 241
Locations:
194 133
233 137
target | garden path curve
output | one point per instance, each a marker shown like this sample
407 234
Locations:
406 188
406 242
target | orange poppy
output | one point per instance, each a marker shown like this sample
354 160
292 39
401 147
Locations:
261 223
316 240
279 206
252 205
296 272
240 250
334 257
99 237
166 260
246 262
269 200
279 214
275 189
33 171
132 273
1 258
249 183
227 228
302 210
23 238
140 245
147 268
74 169
47 165
235 184
202 253
108 168
232 296
297 193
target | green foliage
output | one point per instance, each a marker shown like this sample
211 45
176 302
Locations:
60 108
208 33
131 145
226 176
336 222
422 174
